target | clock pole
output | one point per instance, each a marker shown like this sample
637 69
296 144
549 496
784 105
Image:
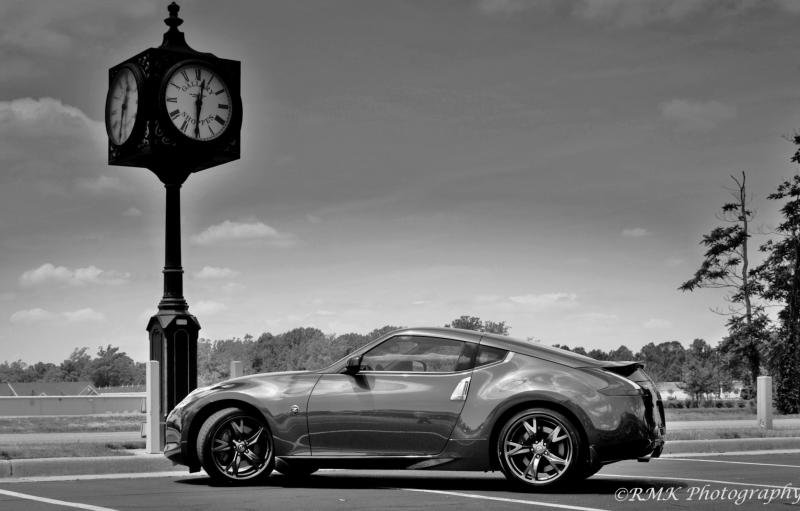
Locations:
156 118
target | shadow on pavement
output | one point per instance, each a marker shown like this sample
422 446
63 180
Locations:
465 482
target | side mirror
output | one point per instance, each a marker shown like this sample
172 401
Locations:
353 365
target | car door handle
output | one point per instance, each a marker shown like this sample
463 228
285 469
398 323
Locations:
460 392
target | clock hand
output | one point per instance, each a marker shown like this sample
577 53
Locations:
199 105
124 108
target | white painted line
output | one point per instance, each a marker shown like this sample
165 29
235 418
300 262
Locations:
732 462
670 478
91 477
502 499
55 502
733 453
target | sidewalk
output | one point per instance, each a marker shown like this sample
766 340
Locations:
731 424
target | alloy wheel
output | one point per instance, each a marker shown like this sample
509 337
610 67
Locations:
537 448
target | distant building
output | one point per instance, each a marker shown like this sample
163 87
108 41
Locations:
60 388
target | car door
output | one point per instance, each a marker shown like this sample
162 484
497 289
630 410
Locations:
405 399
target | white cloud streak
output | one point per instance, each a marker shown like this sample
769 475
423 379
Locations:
38 316
229 231
636 232
212 273
696 116
91 275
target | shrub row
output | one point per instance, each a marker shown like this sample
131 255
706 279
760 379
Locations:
691 403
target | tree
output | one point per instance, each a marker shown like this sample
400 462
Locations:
699 378
76 367
726 265
475 323
664 361
781 273
112 368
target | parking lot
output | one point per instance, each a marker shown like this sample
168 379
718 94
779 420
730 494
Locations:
758 481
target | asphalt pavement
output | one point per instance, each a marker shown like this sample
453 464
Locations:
766 482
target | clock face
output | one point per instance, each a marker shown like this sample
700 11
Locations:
122 105
198 102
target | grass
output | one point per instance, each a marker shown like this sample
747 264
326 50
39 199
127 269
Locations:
72 423
68 450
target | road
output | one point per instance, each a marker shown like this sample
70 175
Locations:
712 483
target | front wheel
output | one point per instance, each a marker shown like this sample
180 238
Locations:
235 446
539 448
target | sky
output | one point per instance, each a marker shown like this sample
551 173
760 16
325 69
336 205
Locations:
550 164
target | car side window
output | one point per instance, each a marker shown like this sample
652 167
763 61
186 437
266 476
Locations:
489 355
408 353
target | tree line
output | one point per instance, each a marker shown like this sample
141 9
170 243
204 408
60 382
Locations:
109 368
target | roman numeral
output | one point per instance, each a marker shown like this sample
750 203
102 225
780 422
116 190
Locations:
174 85
219 119
175 113
219 92
172 100
197 72
224 107
185 76
185 123
211 130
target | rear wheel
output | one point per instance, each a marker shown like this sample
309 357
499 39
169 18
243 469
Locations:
235 446
539 448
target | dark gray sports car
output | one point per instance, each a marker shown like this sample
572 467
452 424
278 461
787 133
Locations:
426 398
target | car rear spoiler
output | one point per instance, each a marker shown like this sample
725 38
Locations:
622 368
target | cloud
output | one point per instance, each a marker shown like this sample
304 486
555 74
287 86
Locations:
696 116
50 274
208 308
546 301
656 323
636 232
32 316
212 272
596 317
132 212
45 117
228 231
635 13
101 184
38 315
84 316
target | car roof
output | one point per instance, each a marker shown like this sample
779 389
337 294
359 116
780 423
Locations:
505 342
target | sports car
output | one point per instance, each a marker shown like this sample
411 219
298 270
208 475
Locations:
426 398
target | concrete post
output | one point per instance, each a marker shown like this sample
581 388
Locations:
236 369
155 431
764 401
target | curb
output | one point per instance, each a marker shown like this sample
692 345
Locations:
85 466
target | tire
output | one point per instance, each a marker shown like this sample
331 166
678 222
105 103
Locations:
293 469
235 447
540 448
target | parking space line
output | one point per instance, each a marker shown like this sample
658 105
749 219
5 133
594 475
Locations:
673 478
733 462
55 502
503 499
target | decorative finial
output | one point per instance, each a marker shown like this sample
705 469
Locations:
174 38
173 22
